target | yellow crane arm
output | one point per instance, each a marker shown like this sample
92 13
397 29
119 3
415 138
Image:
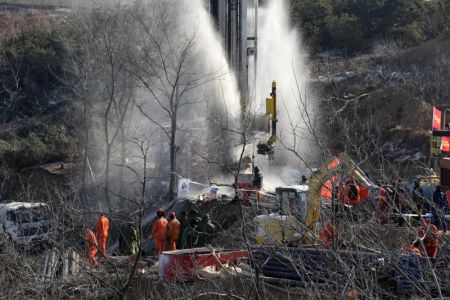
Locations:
318 179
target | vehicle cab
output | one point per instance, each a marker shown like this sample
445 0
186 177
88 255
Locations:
284 222
292 200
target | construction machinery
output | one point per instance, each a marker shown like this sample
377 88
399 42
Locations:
267 148
297 217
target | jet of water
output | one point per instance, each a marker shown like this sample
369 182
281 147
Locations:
282 58
223 90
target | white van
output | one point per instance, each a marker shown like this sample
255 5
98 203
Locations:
25 223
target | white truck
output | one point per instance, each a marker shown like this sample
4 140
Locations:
24 223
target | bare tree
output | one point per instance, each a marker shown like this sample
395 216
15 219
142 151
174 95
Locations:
81 78
118 85
164 69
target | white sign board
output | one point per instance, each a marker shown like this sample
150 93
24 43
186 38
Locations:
183 188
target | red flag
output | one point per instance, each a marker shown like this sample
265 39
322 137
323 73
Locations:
437 119
445 144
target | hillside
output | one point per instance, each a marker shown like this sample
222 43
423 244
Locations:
390 94
428 52
138 160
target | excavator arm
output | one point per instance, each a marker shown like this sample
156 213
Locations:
341 164
281 228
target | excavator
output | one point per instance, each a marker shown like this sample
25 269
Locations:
297 217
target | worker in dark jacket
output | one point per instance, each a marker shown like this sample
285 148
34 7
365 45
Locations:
440 203
128 239
206 231
257 181
184 223
189 237
418 196
257 178
193 214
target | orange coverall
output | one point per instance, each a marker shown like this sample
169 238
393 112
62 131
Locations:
327 234
383 207
91 245
102 233
159 233
173 231
411 249
344 196
430 241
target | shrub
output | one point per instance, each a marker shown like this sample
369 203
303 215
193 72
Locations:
60 144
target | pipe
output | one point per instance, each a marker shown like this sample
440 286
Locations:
255 45
242 48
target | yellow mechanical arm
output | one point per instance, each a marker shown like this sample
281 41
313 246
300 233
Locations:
325 173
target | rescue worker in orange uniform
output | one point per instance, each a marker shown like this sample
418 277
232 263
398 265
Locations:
102 232
383 206
428 234
91 245
159 231
328 233
350 194
430 238
173 231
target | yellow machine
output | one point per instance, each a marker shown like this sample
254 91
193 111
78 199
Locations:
271 110
285 222
298 215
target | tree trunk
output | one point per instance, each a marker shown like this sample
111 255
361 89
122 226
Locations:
173 153
108 158
122 159
86 154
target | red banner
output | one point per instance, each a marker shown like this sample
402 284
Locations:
437 119
445 144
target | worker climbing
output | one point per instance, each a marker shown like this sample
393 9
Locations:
102 232
173 231
92 246
159 231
